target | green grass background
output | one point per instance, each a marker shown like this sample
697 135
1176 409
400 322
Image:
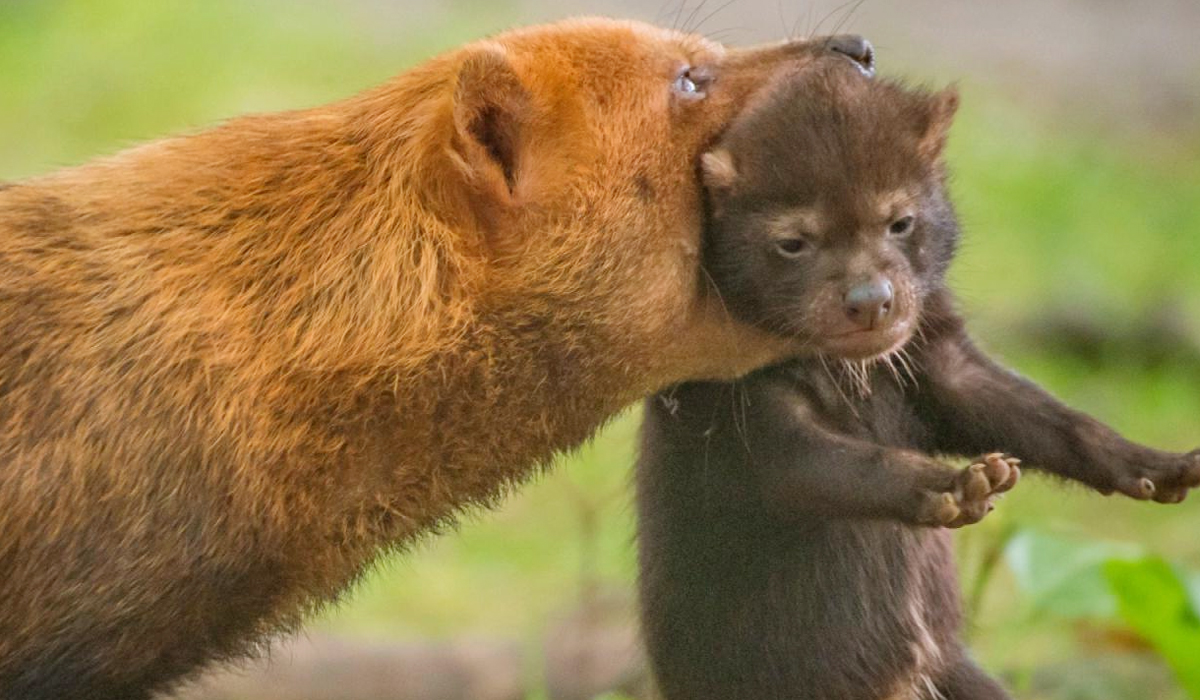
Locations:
1058 213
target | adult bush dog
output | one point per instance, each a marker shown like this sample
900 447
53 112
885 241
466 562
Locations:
237 366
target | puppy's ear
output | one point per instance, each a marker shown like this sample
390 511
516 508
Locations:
491 109
718 171
935 126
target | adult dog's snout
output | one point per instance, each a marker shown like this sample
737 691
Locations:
857 49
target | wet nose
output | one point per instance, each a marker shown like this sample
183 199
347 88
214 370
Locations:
868 303
857 49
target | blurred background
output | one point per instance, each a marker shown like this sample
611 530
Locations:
1076 164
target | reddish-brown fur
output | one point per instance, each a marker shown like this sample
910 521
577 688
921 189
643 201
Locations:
237 366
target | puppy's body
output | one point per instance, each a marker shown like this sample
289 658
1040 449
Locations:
235 367
791 524
756 583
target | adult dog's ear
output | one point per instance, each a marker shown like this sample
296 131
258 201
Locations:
491 112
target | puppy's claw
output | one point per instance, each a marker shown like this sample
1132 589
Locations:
978 484
1140 488
1013 477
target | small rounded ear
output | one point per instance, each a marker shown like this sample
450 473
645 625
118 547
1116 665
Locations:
718 171
939 115
490 108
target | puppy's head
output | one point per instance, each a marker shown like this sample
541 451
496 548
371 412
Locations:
829 217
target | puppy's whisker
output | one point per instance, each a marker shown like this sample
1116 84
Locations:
906 361
889 361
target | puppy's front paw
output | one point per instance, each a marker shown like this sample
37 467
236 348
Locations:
969 496
1166 481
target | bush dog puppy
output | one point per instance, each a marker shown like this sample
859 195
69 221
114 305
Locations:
237 366
792 526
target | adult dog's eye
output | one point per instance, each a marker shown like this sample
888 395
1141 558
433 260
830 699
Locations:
692 83
902 226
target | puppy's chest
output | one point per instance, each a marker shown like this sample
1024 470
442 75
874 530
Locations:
881 409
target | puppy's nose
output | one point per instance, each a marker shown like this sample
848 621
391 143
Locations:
869 303
857 49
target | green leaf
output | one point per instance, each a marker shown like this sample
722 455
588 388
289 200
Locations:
1064 577
1155 601
1193 584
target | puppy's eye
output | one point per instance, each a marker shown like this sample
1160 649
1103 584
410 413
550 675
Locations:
691 83
792 247
902 226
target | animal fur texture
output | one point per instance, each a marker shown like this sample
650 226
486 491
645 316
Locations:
238 366
792 525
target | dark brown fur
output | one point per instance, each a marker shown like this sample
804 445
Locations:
236 367
790 538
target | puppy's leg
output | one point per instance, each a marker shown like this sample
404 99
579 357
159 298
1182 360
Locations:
805 468
977 406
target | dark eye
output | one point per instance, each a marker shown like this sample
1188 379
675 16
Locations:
692 83
792 247
902 226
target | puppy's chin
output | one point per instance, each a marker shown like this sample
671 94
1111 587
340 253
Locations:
835 337
867 344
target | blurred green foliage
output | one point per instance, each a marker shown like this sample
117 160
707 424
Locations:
1056 216
80 78
1155 601
1066 577
1122 595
